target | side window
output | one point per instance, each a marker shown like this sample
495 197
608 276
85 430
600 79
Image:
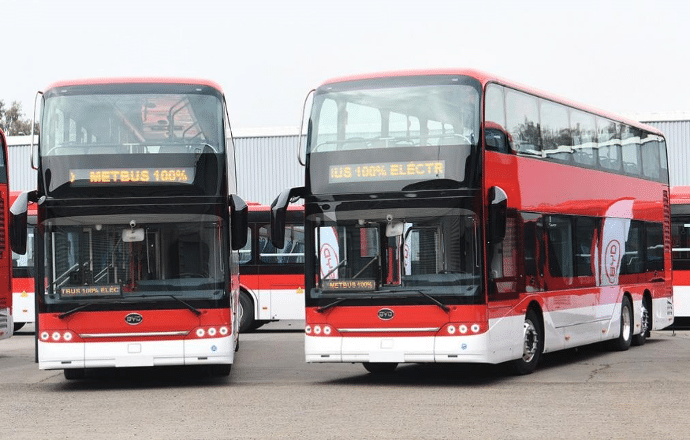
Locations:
633 260
554 129
327 126
584 138
246 251
586 229
663 161
495 120
609 144
522 122
532 251
630 150
650 154
293 250
560 246
654 248
680 240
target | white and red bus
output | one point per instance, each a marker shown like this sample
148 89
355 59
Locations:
135 227
6 322
680 255
452 216
23 299
272 280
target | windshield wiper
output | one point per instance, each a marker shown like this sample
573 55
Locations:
72 311
190 307
424 294
332 304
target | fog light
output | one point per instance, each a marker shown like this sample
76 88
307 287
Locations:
327 330
463 329
223 330
56 336
475 328
308 329
200 332
67 336
45 335
451 329
317 330
212 332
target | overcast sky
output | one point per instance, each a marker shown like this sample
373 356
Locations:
625 56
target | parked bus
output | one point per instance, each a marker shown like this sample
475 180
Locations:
680 255
6 323
272 280
451 216
135 226
23 299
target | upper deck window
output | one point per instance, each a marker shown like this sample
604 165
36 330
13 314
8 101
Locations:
131 123
392 113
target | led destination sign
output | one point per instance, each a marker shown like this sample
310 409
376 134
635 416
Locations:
349 285
386 171
180 175
90 291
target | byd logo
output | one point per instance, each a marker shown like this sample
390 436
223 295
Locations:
385 314
133 318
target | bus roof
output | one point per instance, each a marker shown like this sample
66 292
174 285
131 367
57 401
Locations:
484 78
135 80
680 194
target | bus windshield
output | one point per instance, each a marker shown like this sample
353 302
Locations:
128 123
399 252
122 257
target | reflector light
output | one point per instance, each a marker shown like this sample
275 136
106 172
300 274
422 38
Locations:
463 329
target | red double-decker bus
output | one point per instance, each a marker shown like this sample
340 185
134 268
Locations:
680 255
453 216
137 223
6 323
272 280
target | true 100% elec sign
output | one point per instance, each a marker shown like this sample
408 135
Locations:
386 171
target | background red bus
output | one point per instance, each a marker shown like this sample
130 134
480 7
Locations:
272 280
680 254
23 298
6 323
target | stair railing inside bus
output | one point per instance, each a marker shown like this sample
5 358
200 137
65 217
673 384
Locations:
302 121
34 164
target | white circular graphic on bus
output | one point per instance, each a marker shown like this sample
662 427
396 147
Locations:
329 261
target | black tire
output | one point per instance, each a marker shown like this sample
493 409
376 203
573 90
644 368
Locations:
246 313
646 324
623 342
18 326
74 374
533 344
380 368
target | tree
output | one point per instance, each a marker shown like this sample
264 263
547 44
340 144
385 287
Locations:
12 120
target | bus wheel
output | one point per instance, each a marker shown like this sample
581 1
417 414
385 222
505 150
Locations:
380 368
646 324
625 327
246 313
74 374
533 344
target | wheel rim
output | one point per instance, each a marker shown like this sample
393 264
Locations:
626 322
530 341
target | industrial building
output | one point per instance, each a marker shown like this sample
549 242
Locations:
267 158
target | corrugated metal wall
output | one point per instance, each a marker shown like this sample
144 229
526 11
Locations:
267 165
678 149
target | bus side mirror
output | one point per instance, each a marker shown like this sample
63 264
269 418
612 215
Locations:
18 222
238 222
497 214
278 214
